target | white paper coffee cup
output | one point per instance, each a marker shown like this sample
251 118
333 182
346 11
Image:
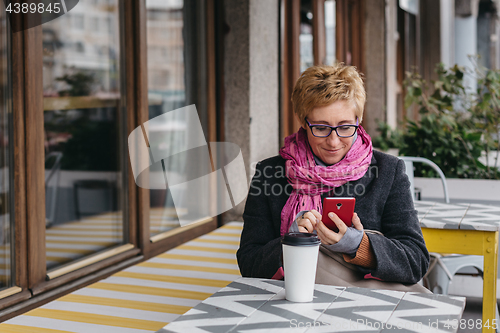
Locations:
300 257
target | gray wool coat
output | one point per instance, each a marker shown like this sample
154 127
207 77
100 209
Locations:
383 203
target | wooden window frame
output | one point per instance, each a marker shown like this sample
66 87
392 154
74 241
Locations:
290 71
32 289
175 237
319 31
349 33
38 277
19 292
29 181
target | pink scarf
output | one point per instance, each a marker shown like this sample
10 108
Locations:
309 180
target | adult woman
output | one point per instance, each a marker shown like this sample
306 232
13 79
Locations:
331 155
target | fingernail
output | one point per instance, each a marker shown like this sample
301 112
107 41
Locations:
330 214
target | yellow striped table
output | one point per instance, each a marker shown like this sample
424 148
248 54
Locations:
144 297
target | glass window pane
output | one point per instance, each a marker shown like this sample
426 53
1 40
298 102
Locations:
84 132
6 183
176 76
306 35
330 32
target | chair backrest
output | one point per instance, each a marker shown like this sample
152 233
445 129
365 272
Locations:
409 171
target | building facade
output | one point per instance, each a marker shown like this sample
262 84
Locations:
74 88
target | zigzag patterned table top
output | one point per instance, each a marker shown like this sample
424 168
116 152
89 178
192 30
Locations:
259 305
437 215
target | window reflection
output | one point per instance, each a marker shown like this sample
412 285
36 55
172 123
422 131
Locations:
166 93
330 31
175 32
84 122
6 184
306 35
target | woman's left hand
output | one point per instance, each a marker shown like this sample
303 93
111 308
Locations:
329 237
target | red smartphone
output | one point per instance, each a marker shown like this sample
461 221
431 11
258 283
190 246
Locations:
343 207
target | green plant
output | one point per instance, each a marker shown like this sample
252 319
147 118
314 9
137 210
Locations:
80 84
486 110
454 149
451 125
388 137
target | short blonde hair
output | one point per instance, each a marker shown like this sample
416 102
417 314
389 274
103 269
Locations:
323 85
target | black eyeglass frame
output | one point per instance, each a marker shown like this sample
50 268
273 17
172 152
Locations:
332 128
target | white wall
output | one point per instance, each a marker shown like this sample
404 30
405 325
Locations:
462 189
466 44
392 36
447 27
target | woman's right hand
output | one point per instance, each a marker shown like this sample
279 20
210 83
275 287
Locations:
307 223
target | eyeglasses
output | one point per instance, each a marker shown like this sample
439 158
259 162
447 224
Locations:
323 131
